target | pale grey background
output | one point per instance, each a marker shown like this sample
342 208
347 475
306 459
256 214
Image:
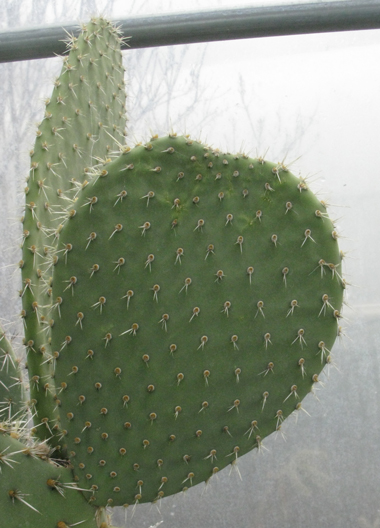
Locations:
315 101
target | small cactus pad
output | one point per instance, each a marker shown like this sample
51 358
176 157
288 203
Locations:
35 493
195 311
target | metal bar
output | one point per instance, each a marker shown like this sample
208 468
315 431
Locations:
206 26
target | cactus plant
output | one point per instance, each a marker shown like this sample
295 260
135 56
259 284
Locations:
179 302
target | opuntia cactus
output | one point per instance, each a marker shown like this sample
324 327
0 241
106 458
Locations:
179 303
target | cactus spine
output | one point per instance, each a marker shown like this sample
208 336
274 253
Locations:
179 302
11 381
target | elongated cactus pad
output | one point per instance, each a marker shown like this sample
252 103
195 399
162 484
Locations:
196 309
86 107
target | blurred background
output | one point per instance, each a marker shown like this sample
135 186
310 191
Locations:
313 101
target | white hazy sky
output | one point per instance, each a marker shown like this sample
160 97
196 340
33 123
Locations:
124 8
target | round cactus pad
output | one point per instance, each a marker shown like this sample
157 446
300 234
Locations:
196 299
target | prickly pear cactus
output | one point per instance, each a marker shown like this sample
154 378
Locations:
196 309
178 304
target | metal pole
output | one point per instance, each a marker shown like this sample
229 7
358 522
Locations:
205 26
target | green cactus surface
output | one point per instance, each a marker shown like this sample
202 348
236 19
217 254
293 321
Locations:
84 113
36 492
195 310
